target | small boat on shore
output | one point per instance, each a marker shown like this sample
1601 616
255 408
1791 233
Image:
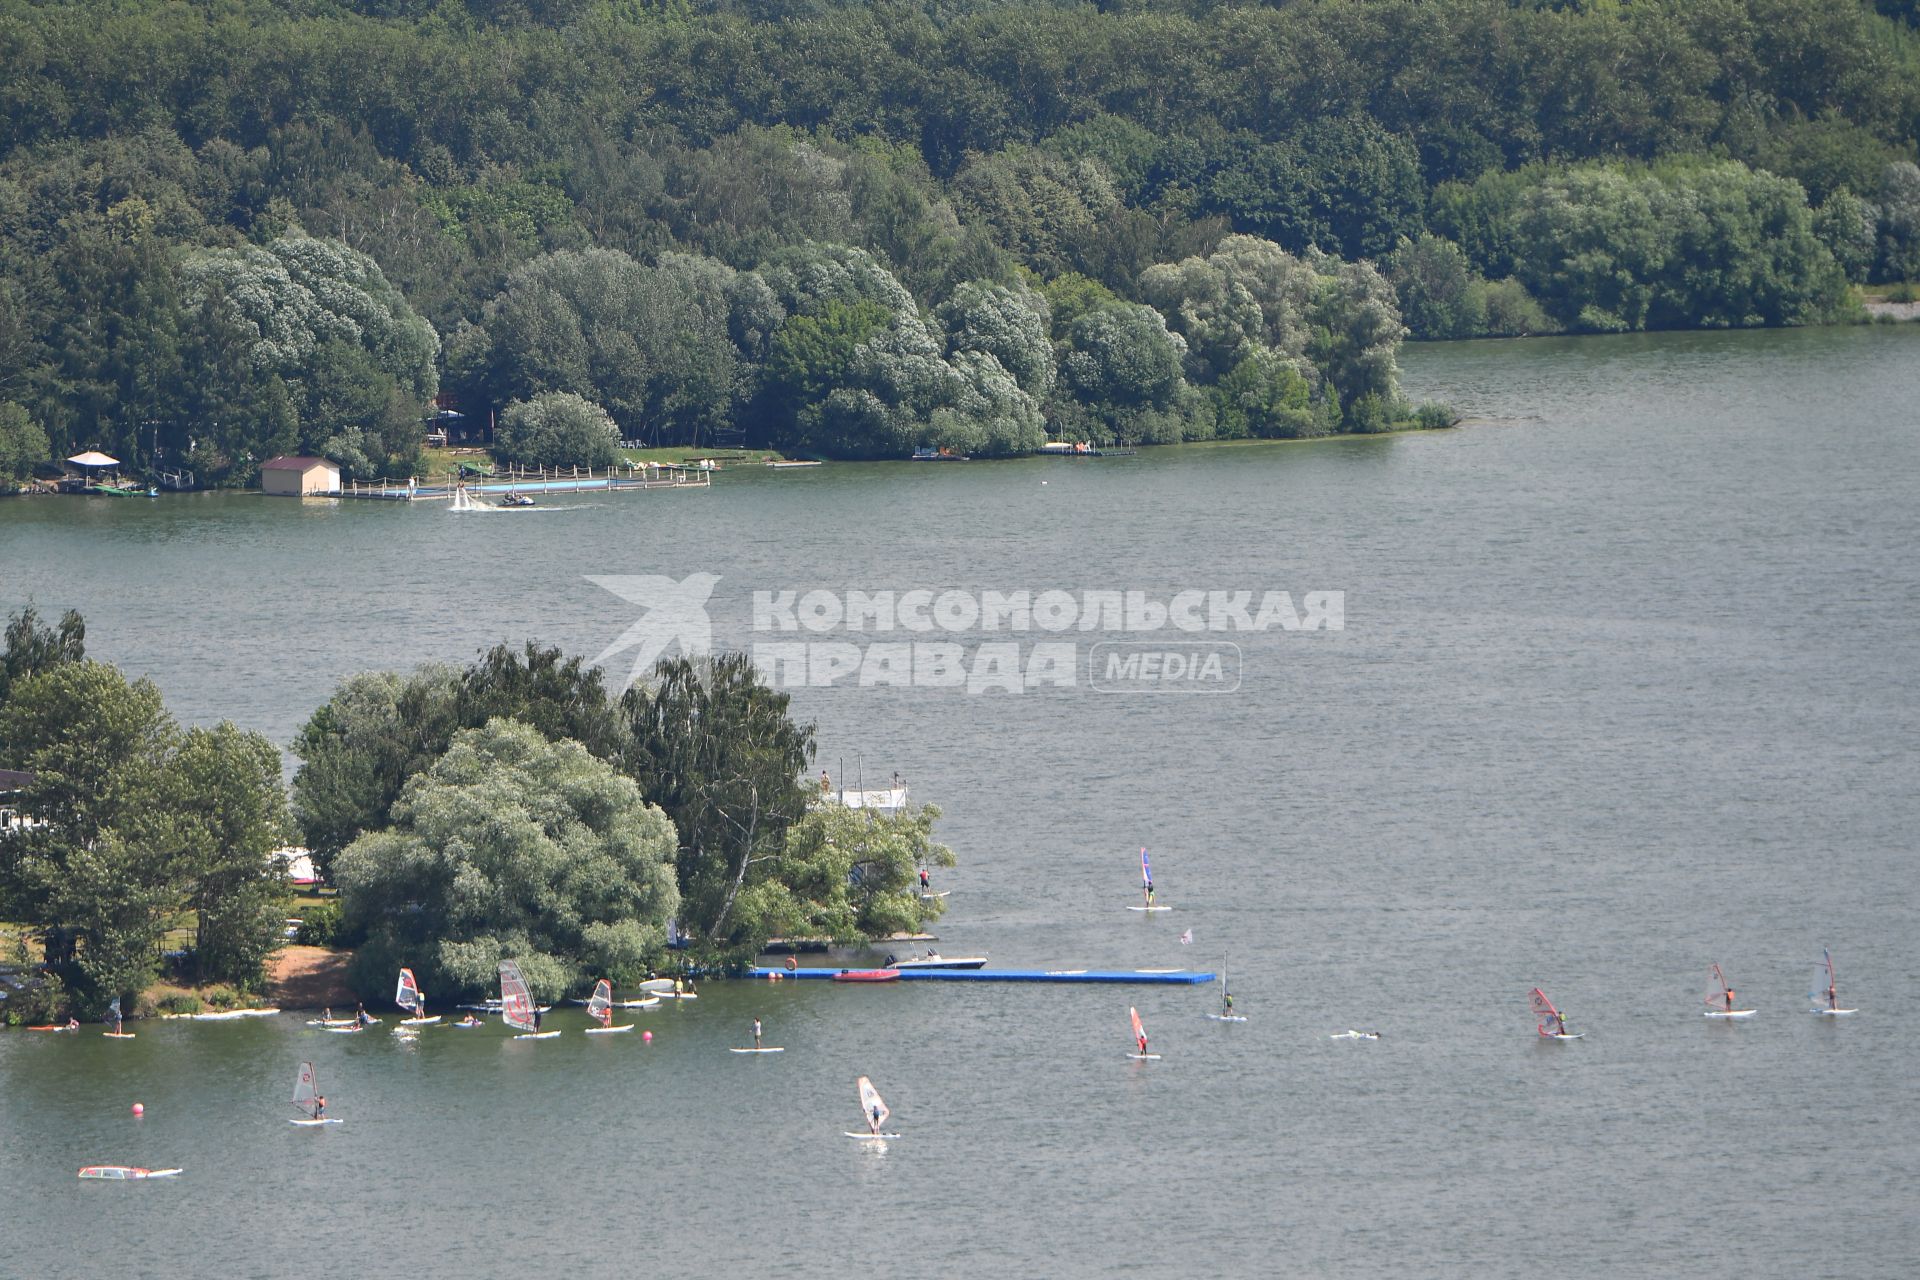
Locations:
867 975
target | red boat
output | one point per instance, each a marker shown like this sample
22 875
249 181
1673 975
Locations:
867 975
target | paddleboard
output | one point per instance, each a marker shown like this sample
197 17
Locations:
1575 1035
125 1173
1226 1017
651 1002
1354 1035
872 1137
1834 1013
331 1022
1144 1057
1149 908
606 1031
1731 1013
778 1050
128 1035
314 1124
536 1035
406 1031
419 1022
342 1031
941 894
678 995
464 1026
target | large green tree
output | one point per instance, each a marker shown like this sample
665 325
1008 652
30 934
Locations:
511 846
717 750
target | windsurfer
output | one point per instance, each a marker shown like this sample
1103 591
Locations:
873 1120
536 1019
1149 893
319 1106
1143 1044
925 883
756 1033
1227 1003
1729 991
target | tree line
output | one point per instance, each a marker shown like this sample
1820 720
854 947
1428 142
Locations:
250 228
513 808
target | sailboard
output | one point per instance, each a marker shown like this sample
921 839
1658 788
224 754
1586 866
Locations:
1552 1024
600 1009
768 1049
1720 997
305 1091
1146 883
126 1173
516 1004
1825 994
407 996
873 1109
1226 1001
1139 1036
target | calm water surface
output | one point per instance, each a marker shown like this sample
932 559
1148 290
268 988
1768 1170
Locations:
1626 686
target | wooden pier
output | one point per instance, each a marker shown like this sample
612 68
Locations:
533 481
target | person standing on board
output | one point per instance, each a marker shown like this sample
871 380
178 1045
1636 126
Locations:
1143 1044
826 784
1729 999
873 1119
319 1106
756 1033
925 883
1227 1003
1149 888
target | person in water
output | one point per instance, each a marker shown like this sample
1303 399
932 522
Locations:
756 1033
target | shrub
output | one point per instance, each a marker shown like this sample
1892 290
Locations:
179 1002
320 926
1432 417
222 997
38 1004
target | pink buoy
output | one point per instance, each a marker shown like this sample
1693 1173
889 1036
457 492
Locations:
139 1110
647 1036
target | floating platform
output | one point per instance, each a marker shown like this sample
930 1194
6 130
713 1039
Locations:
1163 977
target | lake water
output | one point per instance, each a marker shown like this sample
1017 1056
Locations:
1625 686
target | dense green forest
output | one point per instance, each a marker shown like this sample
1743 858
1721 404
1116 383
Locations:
241 228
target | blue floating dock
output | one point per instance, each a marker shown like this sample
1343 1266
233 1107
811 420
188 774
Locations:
1179 977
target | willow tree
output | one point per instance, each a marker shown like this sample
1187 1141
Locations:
511 846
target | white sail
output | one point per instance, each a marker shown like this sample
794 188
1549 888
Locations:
872 1108
600 1007
1824 992
516 1002
304 1089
